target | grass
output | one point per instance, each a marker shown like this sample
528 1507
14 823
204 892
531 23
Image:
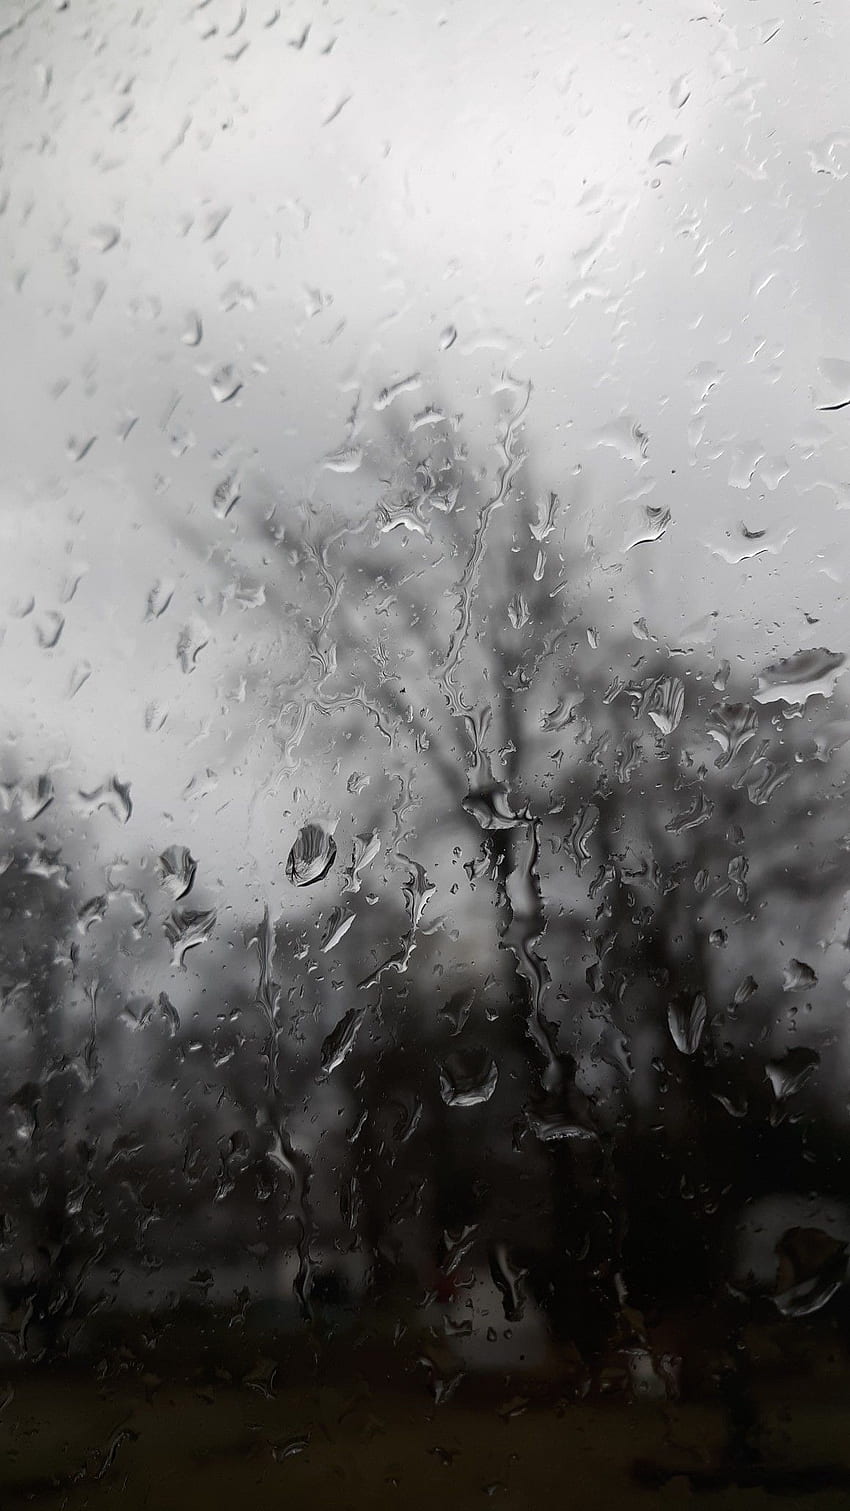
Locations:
70 1441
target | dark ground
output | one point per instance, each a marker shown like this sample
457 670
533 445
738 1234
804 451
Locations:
314 1436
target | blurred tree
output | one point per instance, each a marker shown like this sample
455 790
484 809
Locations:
616 836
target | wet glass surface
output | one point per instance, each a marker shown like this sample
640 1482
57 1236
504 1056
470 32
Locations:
425 865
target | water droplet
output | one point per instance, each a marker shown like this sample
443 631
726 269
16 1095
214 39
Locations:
165 1010
225 383
557 1128
833 391
518 611
311 857
395 390
226 495
340 1041
798 977
76 447
346 459
732 725
176 869
491 808
670 150
665 703
34 797
291 1446
790 1073
112 795
212 222
653 522
193 331
155 716
49 629
700 812
577 842
80 674
185 929
686 1022
456 1011
190 642
795 679
508 1279
159 598
468 1078
104 237
366 847
338 925
816 1263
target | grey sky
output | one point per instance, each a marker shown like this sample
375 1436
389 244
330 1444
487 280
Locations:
642 214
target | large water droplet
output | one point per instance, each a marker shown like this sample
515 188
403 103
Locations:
806 674
311 857
686 1021
176 870
468 1077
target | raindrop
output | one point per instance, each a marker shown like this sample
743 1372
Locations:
795 679
112 795
80 674
185 929
226 495
311 856
492 810
834 389
686 1022
798 977
346 459
555 1128
790 1073
176 869
49 629
225 383
104 237
456 1011
34 797
76 447
366 847
340 1041
578 839
190 642
518 611
508 1279
338 925
653 522
193 330
732 725
164 1010
212 222
666 703
395 391
468 1078
159 598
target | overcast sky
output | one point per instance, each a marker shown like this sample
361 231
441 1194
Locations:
640 209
